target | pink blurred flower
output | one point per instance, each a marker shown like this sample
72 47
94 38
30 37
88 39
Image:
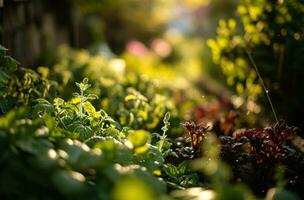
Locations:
136 48
161 47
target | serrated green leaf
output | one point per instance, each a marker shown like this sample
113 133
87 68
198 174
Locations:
89 108
182 167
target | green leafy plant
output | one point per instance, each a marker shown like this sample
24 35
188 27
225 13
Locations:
133 99
269 33
20 86
67 145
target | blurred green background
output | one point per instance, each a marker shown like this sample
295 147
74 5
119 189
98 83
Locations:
186 43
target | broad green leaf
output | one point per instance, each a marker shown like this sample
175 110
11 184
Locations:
171 170
109 147
75 100
42 107
69 182
49 121
83 130
139 138
182 167
130 97
131 188
89 108
141 149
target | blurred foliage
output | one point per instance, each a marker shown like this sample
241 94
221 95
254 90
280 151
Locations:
123 20
20 86
271 32
117 22
167 58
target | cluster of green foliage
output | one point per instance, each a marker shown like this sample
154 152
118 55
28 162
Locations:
61 146
133 99
53 148
271 33
67 149
19 86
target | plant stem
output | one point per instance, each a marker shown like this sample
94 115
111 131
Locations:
263 84
162 140
81 99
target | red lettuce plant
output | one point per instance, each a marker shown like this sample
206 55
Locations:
266 142
196 133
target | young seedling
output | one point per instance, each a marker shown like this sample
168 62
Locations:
83 87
